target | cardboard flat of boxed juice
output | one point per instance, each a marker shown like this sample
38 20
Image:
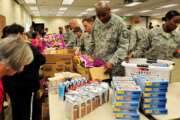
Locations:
126 116
85 99
156 111
58 78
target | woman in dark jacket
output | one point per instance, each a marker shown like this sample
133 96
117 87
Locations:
23 86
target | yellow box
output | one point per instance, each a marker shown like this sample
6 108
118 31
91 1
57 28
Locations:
98 73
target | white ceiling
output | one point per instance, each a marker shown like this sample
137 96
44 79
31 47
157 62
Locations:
51 7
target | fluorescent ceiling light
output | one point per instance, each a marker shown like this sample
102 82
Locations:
33 8
129 14
67 2
133 4
83 13
60 12
115 10
30 1
79 15
63 8
90 9
35 11
145 11
167 6
107 1
156 14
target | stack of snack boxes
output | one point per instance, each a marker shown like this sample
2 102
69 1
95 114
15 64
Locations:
126 98
154 94
86 99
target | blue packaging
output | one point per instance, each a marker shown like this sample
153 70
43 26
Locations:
155 89
153 105
126 104
156 111
127 98
61 91
127 115
154 100
154 95
128 90
117 110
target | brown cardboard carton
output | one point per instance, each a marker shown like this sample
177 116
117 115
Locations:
83 71
98 73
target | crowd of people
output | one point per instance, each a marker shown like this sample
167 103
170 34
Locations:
104 36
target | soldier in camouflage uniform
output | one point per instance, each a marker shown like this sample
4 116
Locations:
162 41
110 38
86 38
138 35
78 35
70 35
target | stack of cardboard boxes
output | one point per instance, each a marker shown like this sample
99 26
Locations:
60 61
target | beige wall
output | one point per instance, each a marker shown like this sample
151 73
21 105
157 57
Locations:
156 21
14 13
52 23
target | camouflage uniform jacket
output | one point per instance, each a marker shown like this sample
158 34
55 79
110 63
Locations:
110 41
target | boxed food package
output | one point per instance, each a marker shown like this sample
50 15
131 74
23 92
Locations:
156 111
118 110
126 104
128 90
127 116
154 100
154 95
154 105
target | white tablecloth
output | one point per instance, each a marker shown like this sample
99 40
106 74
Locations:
173 103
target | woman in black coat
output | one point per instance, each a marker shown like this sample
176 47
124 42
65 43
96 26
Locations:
23 86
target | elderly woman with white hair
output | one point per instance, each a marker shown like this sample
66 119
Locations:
14 55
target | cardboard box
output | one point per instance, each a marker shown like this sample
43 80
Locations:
98 73
57 63
83 71
49 69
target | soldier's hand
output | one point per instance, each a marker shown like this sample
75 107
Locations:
108 67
